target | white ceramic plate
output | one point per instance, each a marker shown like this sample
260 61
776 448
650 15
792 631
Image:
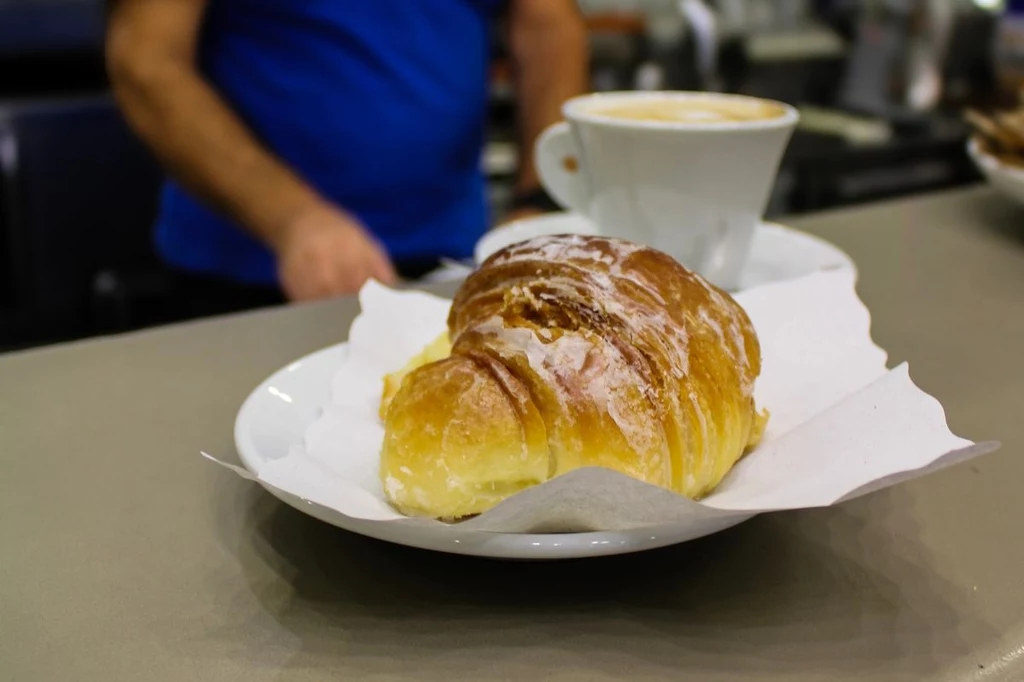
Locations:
778 253
1008 180
277 413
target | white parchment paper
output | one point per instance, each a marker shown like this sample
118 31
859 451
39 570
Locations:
841 423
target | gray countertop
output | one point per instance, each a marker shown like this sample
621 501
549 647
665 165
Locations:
124 556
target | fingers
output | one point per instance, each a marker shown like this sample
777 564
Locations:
334 263
357 273
316 277
383 271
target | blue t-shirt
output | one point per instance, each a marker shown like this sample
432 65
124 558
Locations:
380 105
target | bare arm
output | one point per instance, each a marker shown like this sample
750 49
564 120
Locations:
550 55
151 56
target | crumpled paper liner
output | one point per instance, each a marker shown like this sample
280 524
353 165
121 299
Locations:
841 424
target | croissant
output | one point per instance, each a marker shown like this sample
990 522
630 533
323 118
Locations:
571 351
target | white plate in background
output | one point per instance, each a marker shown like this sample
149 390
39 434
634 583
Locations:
777 253
1008 180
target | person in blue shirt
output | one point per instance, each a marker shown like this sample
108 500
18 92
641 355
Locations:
313 144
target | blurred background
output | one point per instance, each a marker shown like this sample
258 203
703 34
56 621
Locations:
881 85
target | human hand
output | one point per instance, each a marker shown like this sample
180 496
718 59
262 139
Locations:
327 252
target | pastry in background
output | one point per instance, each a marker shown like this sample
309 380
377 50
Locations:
1000 134
566 352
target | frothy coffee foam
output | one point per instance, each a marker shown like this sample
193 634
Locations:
696 110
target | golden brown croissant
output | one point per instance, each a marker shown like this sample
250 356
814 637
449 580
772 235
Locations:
572 351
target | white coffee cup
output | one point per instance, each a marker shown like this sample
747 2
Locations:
695 186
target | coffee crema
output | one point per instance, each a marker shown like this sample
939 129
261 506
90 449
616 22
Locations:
694 111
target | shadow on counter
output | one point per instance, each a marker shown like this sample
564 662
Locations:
820 590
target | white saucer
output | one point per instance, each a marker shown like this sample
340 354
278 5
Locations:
1008 180
277 414
778 253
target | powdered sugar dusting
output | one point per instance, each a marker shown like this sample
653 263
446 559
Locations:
596 272
608 383
577 249
393 486
709 320
568 351
606 331
560 248
579 363
732 335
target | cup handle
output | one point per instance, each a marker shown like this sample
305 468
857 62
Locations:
558 165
